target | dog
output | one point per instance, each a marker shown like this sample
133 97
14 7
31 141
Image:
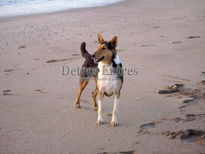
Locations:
108 74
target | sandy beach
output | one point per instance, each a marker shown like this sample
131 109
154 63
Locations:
163 39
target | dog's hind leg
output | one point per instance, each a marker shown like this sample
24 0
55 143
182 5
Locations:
82 85
94 94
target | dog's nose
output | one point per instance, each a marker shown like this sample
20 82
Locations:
93 56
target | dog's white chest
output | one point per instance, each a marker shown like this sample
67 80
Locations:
107 80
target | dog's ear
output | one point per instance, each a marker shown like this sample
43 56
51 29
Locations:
113 42
100 38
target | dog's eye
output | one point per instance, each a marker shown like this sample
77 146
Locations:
103 48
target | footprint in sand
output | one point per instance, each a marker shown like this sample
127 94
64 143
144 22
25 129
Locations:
189 102
75 54
156 27
147 126
147 45
21 47
193 37
39 90
84 100
7 92
189 117
202 74
121 152
201 83
176 42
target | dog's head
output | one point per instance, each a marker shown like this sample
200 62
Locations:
105 51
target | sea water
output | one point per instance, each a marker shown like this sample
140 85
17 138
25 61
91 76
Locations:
24 7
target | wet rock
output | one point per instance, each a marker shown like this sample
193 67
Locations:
171 89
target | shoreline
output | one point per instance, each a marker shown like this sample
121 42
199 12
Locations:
73 10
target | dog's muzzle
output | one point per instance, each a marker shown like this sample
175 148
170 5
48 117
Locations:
97 60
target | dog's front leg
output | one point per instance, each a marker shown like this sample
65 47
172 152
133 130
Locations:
114 122
100 104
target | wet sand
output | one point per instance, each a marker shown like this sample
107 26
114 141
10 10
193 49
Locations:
164 40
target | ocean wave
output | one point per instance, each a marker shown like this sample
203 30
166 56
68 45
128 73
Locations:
24 7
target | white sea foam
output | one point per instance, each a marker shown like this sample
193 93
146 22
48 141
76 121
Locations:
24 7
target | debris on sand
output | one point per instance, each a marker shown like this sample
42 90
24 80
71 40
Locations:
193 93
60 60
8 70
171 89
122 152
185 134
193 37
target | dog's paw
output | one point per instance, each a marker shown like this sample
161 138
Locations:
77 106
114 123
95 108
100 121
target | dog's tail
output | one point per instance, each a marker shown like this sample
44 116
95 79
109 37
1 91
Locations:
84 52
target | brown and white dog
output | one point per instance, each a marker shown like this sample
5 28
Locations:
108 79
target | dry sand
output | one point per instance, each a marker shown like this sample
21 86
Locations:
37 112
